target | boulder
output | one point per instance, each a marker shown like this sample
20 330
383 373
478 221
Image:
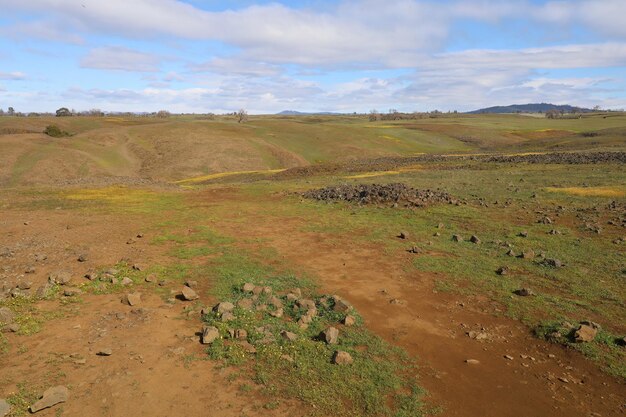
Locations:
342 358
6 316
330 335
528 254
248 287
341 305
524 292
475 239
245 303
224 307
289 335
209 334
457 238
60 277
403 235
585 333
132 299
5 408
51 397
127 281
189 294
349 320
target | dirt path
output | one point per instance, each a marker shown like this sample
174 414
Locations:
539 379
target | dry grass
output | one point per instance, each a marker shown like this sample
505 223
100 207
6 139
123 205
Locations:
605 191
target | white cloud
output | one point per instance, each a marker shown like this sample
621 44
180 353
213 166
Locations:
120 58
12 76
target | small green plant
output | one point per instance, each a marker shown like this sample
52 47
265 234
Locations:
55 131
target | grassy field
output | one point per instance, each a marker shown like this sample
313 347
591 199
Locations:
224 211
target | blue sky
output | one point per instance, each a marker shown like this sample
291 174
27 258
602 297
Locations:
309 55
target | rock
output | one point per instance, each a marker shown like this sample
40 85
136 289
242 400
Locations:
151 278
403 235
240 334
349 320
91 276
247 346
248 287
330 335
528 254
508 357
472 361
139 267
209 334
44 290
191 284
228 316
523 234
132 299
5 408
457 238
306 303
83 258
267 290
105 352
112 271
342 358
585 333
475 239
511 252
127 281
245 303
189 294
257 290
297 292
224 307
503 270
6 316
71 292
275 301
278 313
524 292
29 270
51 397
162 282
10 328
341 305
554 263
545 220
288 335
415 249
60 277
554 232
440 226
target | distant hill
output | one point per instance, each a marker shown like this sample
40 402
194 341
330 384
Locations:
298 113
530 108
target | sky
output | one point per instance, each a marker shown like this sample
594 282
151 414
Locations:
310 55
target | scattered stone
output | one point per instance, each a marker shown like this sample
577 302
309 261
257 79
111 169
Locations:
245 303
11 328
5 408
224 307
511 252
267 290
349 320
524 292
477 335
209 334
240 334
330 335
105 352
247 346
52 396
60 277
403 235
475 239
91 276
228 316
528 254
508 357
257 290
132 299
112 271
341 305
297 292
71 292
189 294
130 241
151 278
29 270
277 313
545 220
553 263
127 281
24 285
44 290
555 232
6 316
139 235
440 226
342 358
289 335
139 267
503 270
523 234
248 287
457 238
585 333
415 249
472 361
162 282
83 258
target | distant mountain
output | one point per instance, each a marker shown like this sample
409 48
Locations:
297 113
530 108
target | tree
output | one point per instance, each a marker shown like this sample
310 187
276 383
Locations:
242 116
63 112
162 114
11 111
374 115
1 112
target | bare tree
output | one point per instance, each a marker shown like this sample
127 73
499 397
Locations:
242 116
374 115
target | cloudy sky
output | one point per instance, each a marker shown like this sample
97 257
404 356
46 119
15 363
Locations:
310 55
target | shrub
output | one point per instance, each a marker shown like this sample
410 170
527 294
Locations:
55 131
